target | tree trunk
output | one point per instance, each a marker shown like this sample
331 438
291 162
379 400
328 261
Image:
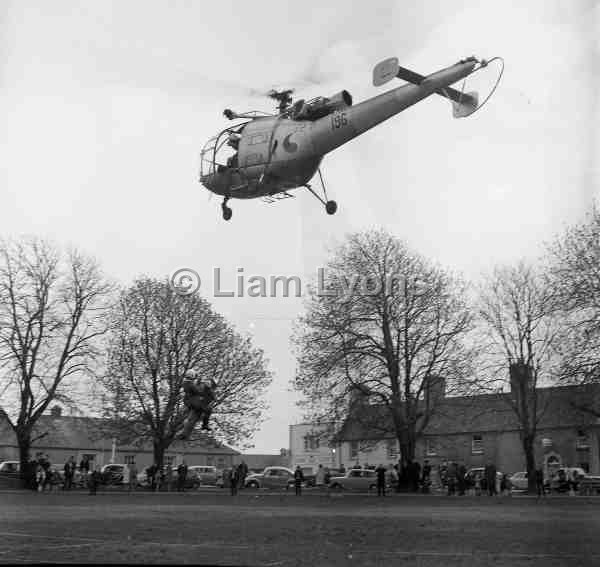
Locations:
406 439
24 442
159 453
528 448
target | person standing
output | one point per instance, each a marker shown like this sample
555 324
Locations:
380 471
451 478
416 476
539 482
95 478
490 478
504 485
69 469
182 470
233 480
126 477
242 474
392 476
169 478
298 480
40 476
320 477
84 469
426 476
462 479
133 472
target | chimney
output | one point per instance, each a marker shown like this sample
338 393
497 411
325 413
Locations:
56 411
435 389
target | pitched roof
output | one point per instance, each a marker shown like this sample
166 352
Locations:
74 432
558 407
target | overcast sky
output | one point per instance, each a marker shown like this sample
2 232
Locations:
104 107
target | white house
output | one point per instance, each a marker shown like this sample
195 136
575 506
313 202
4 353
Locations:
310 446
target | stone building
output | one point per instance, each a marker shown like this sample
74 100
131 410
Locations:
478 429
64 436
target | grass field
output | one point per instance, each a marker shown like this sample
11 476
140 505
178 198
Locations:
314 529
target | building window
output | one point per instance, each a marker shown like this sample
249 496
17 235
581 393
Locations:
353 449
477 445
169 460
91 457
311 442
392 448
130 459
209 461
430 448
582 442
221 462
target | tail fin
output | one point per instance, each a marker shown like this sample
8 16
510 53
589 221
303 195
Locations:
466 105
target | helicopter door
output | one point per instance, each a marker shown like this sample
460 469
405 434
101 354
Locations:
254 150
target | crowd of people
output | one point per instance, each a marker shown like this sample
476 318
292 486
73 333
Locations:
451 477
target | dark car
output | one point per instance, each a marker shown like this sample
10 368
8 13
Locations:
112 474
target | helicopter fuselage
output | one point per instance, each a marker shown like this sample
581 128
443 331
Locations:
279 153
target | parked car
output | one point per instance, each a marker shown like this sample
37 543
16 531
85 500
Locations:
205 474
112 474
589 485
271 477
519 480
191 479
10 467
355 479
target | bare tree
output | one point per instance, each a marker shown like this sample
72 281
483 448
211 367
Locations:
574 273
382 331
157 337
53 308
523 340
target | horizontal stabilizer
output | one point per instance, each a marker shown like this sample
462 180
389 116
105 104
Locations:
463 103
458 98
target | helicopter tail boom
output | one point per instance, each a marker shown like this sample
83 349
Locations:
333 131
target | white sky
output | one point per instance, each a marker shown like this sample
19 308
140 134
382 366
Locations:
104 107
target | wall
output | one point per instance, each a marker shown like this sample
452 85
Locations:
323 454
370 453
504 449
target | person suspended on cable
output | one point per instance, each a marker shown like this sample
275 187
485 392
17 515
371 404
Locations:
199 398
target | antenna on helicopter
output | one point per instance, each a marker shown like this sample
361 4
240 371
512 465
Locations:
283 97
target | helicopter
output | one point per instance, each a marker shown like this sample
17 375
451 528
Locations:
267 155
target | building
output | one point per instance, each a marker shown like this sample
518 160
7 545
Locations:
310 446
478 429
66 436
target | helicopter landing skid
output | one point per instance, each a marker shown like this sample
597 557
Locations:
330 206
